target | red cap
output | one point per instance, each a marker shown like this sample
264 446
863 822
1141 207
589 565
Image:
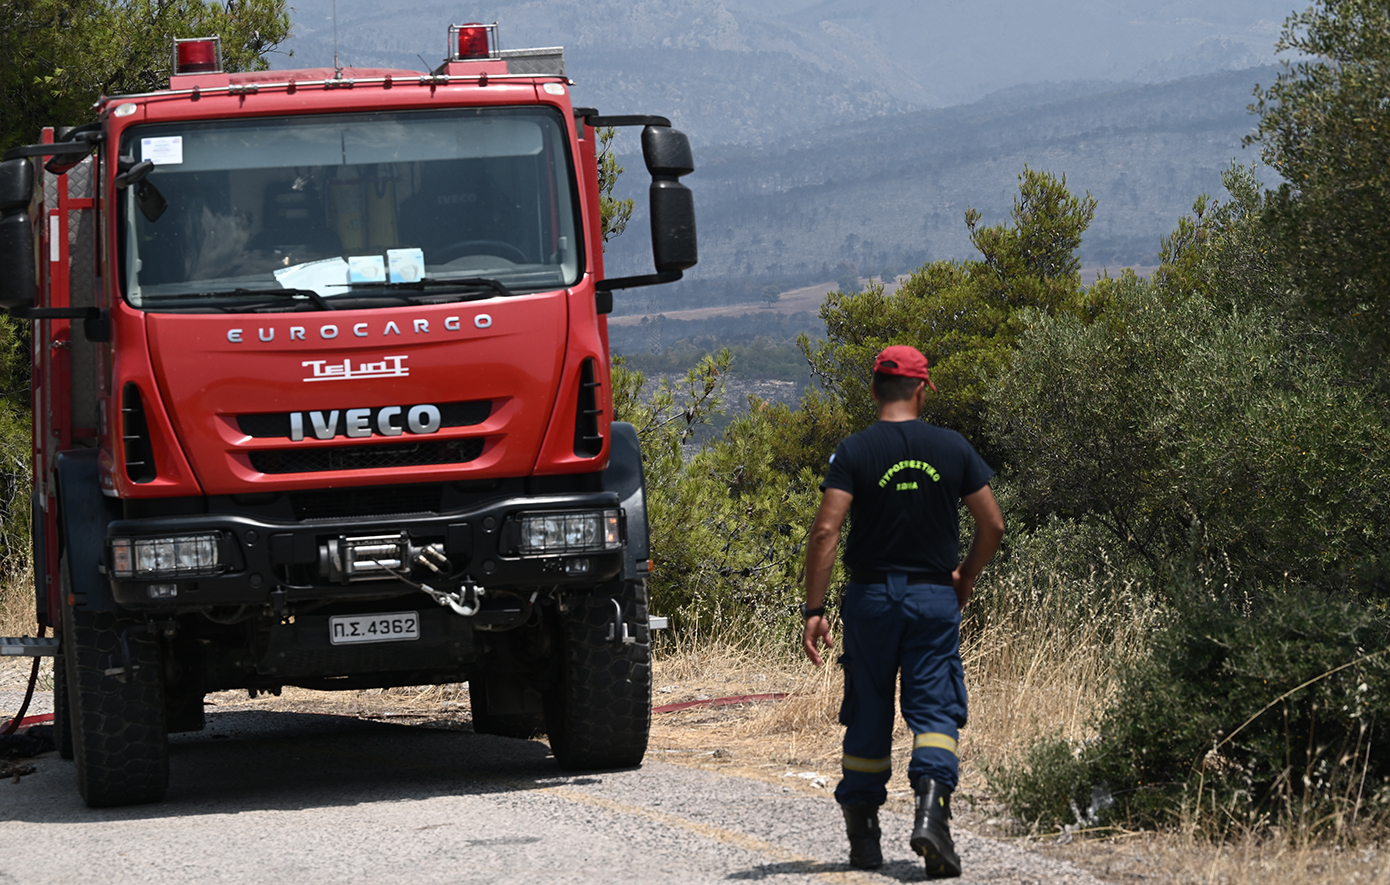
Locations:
905 360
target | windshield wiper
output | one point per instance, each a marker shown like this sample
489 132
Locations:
431 282
318 300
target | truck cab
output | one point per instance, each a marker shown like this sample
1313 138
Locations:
321 398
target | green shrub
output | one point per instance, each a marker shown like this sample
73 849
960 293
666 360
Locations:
1248 709
1042 788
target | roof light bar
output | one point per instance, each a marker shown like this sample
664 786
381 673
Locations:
198 55
472 41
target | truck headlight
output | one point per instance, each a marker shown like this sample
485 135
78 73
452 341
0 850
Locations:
175 557
545 534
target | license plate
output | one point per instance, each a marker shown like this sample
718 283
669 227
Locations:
387 627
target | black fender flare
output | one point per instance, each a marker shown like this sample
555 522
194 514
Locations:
83 515
626 477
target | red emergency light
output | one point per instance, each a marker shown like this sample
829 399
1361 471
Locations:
472 41
198 55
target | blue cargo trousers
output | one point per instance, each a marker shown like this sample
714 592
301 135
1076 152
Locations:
914 630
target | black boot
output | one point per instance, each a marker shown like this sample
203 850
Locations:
861 823
931 834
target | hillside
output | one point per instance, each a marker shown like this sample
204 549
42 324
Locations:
751 71
890 193
832 132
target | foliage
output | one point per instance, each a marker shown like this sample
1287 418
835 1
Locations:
615 213
1177 407
1204 422
58 56
1325 127
1248 709
964 316
15 475
759 358
729 519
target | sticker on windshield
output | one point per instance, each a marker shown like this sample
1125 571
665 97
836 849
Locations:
407 265
163 151
327 277
366 269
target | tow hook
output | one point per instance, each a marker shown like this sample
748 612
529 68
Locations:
617 631
465 602
472 598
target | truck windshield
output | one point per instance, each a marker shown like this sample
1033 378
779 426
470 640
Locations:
288 213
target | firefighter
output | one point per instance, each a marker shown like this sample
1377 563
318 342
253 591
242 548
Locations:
901 481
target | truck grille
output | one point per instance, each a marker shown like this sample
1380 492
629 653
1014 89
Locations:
367 457
367 501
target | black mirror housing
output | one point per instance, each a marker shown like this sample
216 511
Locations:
668 157
16 185
673 226
18 256
667 152
18 273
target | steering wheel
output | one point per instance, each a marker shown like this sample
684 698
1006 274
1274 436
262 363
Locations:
498 248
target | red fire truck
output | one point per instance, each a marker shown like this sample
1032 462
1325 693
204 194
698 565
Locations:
321 398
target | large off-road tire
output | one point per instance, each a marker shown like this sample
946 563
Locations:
120 747
599 713
524 725
62 712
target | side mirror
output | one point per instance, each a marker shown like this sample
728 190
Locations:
668 157
18 258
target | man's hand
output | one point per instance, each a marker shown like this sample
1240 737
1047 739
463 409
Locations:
965 586
817 630
820 560
989 530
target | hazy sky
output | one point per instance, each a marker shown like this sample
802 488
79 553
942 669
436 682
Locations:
926 52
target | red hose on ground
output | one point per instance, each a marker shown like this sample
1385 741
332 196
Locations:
13 724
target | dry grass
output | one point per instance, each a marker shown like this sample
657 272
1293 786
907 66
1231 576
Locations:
1181 859
17 604
1033 670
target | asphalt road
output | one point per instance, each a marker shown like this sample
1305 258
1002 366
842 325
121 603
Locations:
270 798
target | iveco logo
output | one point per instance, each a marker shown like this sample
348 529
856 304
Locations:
359 423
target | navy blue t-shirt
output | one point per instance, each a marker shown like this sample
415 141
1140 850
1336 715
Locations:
907 479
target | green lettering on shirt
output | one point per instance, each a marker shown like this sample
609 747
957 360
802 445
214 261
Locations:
911 464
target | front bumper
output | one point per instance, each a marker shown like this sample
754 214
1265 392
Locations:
259 557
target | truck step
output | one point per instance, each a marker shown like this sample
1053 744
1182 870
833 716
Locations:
28 645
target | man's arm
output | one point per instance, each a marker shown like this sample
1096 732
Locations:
820 561
989 531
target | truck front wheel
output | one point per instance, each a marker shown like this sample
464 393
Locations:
116 701
598 714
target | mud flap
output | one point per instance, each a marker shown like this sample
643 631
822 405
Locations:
84 512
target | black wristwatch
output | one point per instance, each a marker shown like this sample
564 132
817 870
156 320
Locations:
808 613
